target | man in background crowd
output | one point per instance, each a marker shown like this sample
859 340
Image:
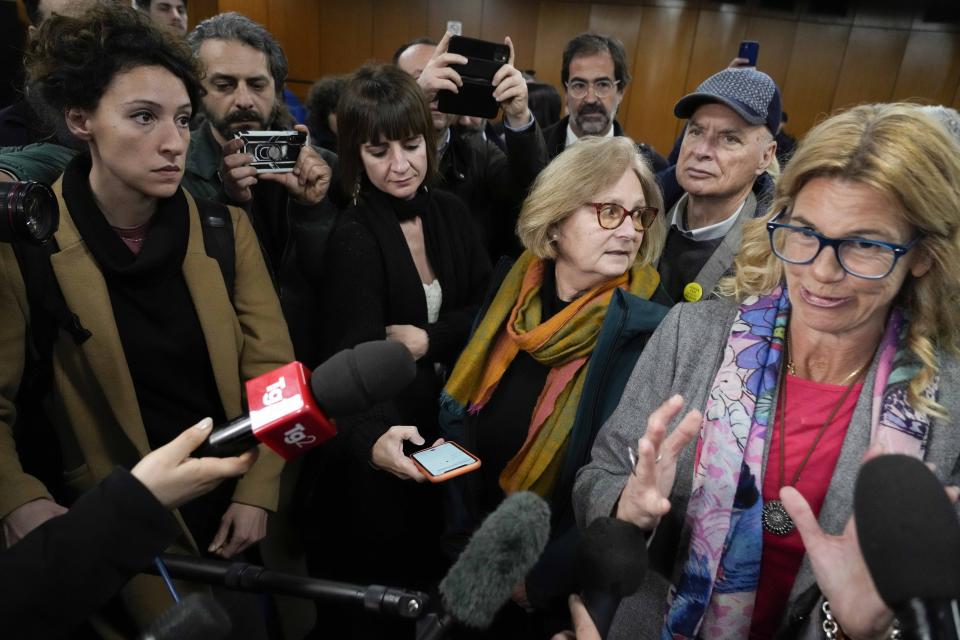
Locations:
492 183
594 76
170 13
728 145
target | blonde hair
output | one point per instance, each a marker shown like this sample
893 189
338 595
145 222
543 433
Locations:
575 177
900 152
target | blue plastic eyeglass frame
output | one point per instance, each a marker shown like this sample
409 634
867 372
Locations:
899 250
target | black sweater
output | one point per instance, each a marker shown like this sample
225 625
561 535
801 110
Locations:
372 282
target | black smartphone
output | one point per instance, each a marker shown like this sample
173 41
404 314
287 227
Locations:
749 49
475 97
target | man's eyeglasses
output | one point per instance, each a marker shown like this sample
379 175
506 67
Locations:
601 88
610 215
870 259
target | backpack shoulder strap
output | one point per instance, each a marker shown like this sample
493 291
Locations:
218 239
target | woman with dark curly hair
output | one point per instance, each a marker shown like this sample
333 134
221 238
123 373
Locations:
168 344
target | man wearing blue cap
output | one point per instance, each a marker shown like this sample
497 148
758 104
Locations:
722 168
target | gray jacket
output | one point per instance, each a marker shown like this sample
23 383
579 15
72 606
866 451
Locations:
683 356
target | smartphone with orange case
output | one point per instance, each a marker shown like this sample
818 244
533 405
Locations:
445 461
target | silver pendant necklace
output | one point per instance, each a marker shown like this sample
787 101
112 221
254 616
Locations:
774 517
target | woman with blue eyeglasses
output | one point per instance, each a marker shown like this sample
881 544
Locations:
836 340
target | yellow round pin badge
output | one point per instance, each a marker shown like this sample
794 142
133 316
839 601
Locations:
692 292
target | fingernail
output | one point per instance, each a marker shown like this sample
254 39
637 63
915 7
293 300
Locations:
204 424
676 398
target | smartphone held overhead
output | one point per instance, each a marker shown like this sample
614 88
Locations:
749 50
475 97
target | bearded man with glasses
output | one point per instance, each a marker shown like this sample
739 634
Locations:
594 75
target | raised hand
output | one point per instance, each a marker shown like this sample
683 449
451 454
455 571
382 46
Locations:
644 499
510 90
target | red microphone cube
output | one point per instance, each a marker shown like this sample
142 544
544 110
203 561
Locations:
283 412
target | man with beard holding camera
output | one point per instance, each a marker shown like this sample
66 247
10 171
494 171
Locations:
292 213
594 75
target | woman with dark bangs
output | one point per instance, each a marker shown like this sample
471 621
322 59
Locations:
403 264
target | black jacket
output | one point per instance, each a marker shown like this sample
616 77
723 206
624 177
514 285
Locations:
70 566
293 237
493 184
556 138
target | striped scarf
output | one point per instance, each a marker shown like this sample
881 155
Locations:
513 323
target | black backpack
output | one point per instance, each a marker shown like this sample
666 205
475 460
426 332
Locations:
33 432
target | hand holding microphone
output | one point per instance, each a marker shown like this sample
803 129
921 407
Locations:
176 478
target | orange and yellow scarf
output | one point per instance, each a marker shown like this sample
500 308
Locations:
564 343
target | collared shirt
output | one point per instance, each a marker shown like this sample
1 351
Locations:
710 232
442 147
572 137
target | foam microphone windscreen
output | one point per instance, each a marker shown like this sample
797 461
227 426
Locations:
612 557
499 555
908 531
196 617
355 379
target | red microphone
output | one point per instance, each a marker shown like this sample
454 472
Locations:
291 415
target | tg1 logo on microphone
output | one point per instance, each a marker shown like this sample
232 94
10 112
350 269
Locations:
282 398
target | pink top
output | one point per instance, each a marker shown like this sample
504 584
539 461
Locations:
808 406
133 237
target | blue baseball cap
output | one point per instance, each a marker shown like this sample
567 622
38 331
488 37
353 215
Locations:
751 93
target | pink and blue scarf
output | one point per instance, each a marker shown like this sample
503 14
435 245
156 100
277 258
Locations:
715 594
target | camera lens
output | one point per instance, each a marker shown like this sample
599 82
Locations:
28 211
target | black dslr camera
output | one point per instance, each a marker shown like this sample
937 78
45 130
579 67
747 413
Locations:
28 211
273 151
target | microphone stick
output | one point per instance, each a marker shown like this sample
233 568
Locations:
611 562
242 576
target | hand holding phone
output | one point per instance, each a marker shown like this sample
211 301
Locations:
445 461
481 62
749 50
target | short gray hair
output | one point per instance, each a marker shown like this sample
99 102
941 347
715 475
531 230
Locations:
236 26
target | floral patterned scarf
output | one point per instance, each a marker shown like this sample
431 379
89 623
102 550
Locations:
715 594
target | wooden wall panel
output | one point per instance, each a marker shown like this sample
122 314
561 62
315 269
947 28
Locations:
776 39
469 12
659 74
812 74
200 10
296 26
254 9
715 45
930 67
821 62
558 22
502 18
396 22
622 22
346 35
870 66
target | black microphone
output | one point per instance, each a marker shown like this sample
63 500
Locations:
611 563
291 416
910 539
499 555
196 617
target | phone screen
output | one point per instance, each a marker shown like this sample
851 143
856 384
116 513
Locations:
443 458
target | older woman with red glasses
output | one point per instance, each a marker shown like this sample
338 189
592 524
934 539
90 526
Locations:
570 316
836 340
